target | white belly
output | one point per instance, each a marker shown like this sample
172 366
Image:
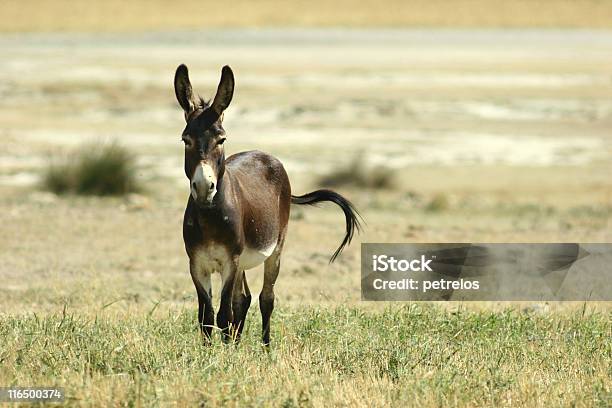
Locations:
213 259
250 258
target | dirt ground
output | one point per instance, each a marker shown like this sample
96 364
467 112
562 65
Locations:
491 135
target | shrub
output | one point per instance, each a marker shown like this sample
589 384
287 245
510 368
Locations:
108 169
438 203
359 173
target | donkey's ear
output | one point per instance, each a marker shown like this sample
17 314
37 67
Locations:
225 90
182 89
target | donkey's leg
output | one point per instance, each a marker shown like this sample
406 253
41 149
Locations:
206 313
266 298
240 303
225 315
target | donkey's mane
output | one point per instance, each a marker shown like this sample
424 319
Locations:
202 103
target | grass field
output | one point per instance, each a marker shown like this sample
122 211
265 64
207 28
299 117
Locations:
488 135
411 355
116 15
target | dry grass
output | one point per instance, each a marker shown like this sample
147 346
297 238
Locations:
128 335
116 15
412 355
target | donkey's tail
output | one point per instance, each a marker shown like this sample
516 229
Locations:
350 213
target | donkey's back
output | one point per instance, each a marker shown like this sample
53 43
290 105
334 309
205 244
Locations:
261 186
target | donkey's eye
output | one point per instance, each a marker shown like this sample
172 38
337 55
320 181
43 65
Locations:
187 141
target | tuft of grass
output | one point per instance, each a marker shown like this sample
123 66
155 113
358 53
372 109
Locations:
103 170
58 178
360 173
405 355
438 203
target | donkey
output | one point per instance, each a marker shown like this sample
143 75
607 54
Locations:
237 213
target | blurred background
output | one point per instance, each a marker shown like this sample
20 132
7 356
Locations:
442 121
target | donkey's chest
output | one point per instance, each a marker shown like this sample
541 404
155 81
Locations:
211 258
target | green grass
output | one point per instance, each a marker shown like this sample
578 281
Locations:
416 355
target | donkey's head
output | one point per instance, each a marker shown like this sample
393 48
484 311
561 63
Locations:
204 135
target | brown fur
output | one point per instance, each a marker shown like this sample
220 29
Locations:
245 220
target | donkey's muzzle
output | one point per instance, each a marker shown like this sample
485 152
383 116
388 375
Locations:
203 184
